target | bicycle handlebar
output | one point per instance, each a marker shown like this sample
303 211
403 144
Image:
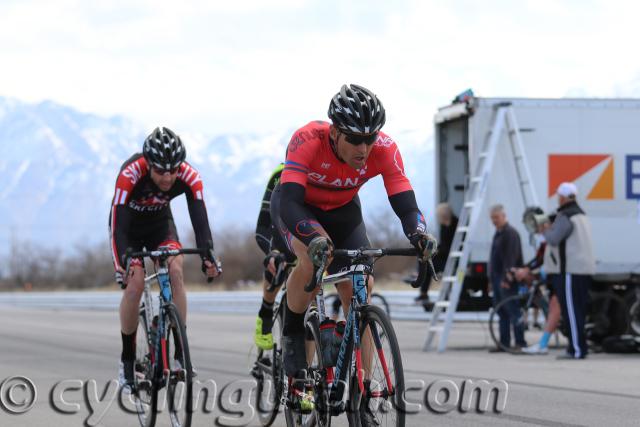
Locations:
423 267
207 253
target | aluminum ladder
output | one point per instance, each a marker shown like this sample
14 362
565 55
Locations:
476 188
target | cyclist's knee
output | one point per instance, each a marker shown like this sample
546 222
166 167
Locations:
175 270
135 284
304 262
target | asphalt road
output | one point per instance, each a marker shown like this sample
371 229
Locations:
50 346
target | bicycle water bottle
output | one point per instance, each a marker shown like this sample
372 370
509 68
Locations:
327 329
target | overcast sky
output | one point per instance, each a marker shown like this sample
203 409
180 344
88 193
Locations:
265 65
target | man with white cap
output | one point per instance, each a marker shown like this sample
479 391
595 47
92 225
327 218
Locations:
570 262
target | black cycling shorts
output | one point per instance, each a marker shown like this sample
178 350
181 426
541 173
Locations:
344 225
150 235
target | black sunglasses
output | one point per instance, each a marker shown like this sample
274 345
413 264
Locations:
161 171
355 139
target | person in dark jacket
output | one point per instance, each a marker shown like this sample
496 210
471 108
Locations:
448 224
506 253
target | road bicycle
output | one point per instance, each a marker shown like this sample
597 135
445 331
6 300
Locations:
162 349
361 373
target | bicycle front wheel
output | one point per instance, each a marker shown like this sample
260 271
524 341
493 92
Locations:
380 301
377 392
269 373
178 371
145 395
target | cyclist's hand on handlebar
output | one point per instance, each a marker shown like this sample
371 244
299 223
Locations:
319 248
271 265
210 269
273 260
426 244
121 278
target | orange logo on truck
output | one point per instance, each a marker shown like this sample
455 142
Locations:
592 173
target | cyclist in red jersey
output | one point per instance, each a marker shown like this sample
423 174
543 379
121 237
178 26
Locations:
141 218
315 206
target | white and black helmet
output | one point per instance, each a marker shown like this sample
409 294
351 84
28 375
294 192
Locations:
356 110
163 149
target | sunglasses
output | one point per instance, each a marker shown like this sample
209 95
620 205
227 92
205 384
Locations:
161 171
355 139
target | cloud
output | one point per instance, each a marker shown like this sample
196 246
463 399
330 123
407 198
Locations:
262 66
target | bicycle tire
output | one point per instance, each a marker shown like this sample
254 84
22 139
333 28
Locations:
294 418
145 375
382 374
607 315
317 369
268 411
376 299
380 301
634 315
180 414
494 319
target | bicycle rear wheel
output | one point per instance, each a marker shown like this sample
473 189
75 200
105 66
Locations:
178 370
377 395
269 373
145 393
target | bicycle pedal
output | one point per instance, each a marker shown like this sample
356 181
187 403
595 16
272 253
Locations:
257 374
265 361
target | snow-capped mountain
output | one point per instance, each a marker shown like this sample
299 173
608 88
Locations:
58 169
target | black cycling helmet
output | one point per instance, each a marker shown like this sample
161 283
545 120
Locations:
163 149
356 110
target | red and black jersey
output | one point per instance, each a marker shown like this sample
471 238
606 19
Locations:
138 202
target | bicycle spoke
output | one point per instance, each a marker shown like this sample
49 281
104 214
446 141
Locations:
145 394
269 376
383 395
178 371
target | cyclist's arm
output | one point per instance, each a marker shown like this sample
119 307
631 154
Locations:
263 226
120 224
399 190
197 209
293 187
406 208
121 215
263 232
199 221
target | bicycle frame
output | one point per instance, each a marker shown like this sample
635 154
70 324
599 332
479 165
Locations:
165 297
358 277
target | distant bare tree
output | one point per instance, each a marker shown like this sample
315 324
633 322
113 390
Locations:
240 256
90 266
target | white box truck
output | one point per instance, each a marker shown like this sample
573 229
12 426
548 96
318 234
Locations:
594 143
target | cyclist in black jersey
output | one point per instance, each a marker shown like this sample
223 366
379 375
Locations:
276 251
141 217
